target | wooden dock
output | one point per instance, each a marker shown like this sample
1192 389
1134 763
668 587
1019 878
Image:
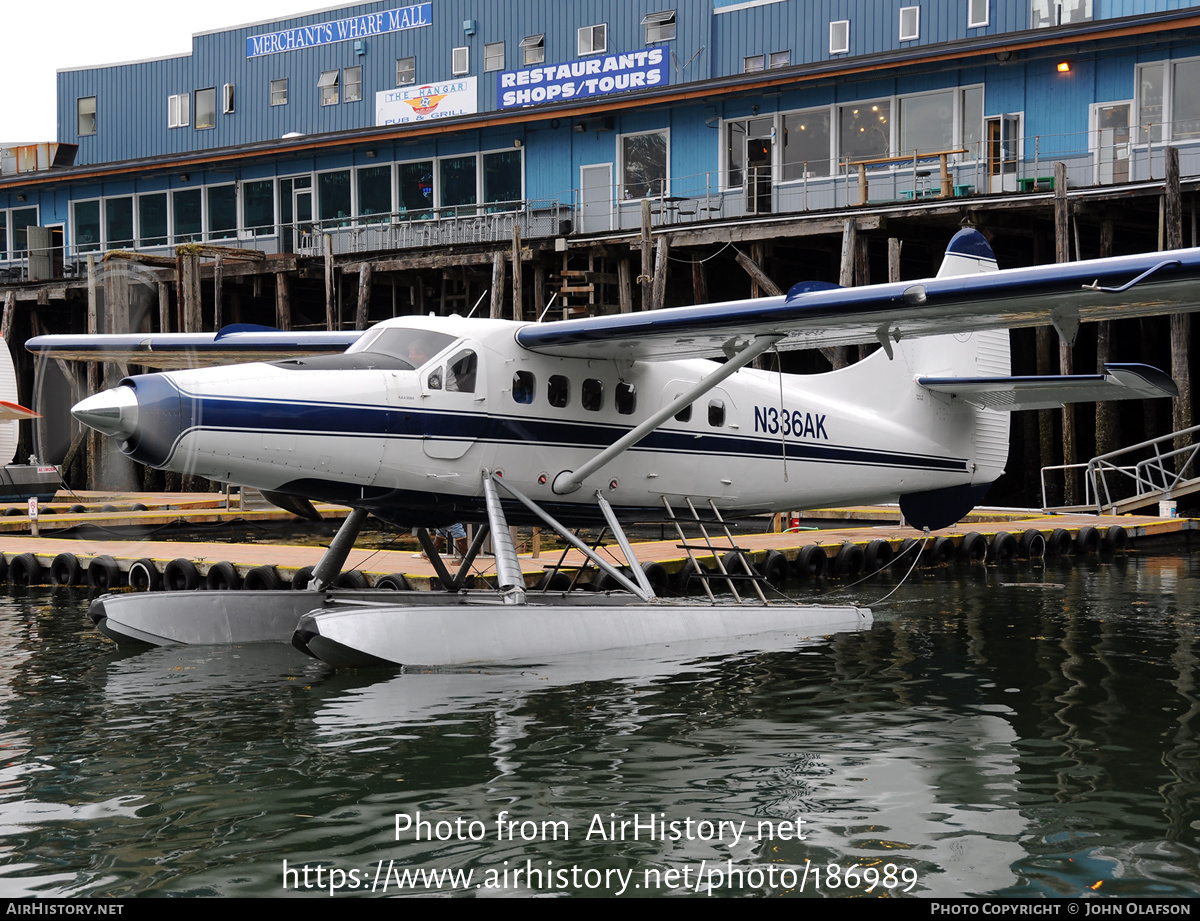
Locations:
844 550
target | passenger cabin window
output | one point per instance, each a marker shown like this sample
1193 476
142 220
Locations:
558 390
626 398
593 395
716 413
523 387
685 414
460 373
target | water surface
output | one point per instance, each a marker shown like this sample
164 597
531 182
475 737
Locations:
1013 731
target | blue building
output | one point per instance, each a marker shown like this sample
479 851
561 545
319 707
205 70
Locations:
371 121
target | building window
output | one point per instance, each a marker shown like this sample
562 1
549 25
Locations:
643 165
461 61
779 59
1044 14
353 84
839 36
806 144
152 219
375 193
279 92
533 50
186 214
222 212
227 99
85 115
458 184
593 39
333 194
415 187
118 222
328 85
865 130
926 122
910 23
977 14
502 174
179 110
660 27
87 226
754 64
406 71
206 108
258 207
493 56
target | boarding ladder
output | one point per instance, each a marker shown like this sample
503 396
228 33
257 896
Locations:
732 552
1152 478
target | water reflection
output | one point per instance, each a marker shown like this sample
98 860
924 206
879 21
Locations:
1015 731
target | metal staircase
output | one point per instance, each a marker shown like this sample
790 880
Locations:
1152 478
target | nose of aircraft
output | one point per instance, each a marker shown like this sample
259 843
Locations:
113 412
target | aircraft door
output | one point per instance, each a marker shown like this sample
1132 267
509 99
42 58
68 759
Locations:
453 392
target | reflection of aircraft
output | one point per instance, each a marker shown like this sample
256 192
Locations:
425 420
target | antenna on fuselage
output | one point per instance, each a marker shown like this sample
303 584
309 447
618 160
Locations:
549 304
477 303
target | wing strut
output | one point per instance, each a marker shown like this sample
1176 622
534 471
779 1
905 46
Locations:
740 354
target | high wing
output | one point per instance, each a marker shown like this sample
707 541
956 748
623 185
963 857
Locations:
175 351
1064 295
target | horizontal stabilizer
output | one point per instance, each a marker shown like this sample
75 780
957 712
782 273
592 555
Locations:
1118 382
173 351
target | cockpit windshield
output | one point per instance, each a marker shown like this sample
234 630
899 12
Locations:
414 346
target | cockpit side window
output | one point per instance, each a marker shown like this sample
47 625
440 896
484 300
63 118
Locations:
460 373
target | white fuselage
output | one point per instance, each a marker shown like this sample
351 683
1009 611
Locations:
413 439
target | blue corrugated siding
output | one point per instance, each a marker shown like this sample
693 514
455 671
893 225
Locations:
132 99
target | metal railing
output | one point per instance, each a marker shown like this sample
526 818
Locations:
1146 480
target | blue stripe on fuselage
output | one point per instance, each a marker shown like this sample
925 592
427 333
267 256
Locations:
298 417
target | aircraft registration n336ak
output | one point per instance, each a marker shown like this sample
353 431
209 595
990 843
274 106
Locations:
420 419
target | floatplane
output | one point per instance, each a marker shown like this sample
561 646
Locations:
423 421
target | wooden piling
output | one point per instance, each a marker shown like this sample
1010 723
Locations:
362 308
328 247
1066 357
518 312
1181 323
645 278
658 292
497 303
